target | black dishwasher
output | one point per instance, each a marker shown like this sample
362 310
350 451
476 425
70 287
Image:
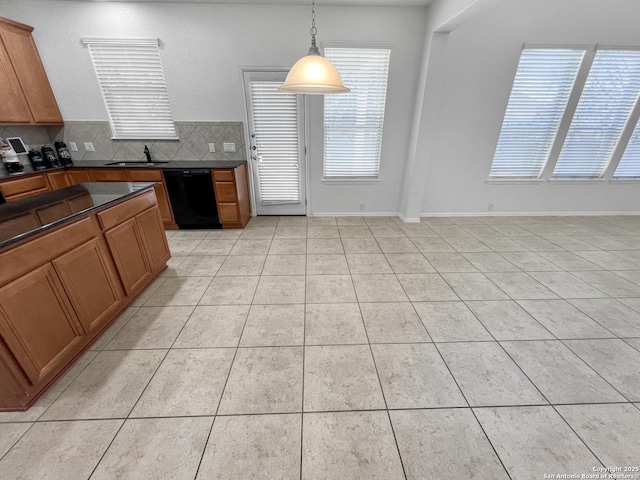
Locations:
192 197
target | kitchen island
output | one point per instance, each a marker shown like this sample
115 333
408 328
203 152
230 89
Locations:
71 261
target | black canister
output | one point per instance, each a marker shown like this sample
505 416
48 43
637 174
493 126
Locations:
63 154
37 161
49 156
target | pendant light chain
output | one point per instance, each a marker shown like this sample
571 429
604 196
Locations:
313 30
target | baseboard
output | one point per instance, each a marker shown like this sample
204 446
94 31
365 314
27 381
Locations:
529 214
355 214
409 220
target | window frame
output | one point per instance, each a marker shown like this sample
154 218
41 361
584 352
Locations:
113 121
342 180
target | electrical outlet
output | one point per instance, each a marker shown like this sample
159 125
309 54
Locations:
74 147
88 146
229 147
490 207
362 205
212 147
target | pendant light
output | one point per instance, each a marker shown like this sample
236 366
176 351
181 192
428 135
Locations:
313 74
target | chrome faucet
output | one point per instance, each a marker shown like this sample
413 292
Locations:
148 154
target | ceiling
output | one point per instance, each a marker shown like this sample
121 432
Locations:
367 3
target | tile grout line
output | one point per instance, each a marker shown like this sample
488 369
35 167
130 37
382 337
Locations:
457 383
140 396
304 355
375 366
235 353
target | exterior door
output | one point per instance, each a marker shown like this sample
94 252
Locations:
276 131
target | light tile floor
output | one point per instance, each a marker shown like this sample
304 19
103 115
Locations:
359 348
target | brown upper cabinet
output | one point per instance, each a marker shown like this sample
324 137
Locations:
25 93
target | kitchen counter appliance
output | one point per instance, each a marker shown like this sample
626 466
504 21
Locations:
192 197
9 152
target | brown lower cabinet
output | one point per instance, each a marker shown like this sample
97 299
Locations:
60 290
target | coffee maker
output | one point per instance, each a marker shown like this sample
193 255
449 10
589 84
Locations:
9 152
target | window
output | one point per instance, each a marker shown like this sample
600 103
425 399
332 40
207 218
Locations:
609 94
629 165
574 126
353 121
133 87
541 90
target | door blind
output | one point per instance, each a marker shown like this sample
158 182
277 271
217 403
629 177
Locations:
353 122
275 123
542 87
609 95
133 87
629 165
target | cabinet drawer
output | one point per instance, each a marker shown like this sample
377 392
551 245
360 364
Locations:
54 212
108 175
223 175
58 180
228 212
226 192
24 185
78 176
24 258
145 175
30 193
118 214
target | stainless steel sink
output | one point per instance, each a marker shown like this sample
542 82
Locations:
136 164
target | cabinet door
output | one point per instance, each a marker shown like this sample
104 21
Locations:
163 204
91 283
14 105
77 176
58 180
38 324
128 250
33 78
154 237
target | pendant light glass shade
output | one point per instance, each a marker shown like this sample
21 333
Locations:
313 74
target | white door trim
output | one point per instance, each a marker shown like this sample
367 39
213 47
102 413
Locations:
244 70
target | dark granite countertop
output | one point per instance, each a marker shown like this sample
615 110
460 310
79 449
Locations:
103 164
24 218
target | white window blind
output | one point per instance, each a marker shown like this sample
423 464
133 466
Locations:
608 97
353 122
275 121
133 87
629 165
541 89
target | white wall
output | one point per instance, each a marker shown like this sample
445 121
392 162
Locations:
482 59
203 47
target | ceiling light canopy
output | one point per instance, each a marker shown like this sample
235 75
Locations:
313 74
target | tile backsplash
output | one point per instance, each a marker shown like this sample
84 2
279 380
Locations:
193 143
34 137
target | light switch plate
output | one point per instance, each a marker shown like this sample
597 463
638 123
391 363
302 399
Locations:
88 146
212 147
229 147
74 147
